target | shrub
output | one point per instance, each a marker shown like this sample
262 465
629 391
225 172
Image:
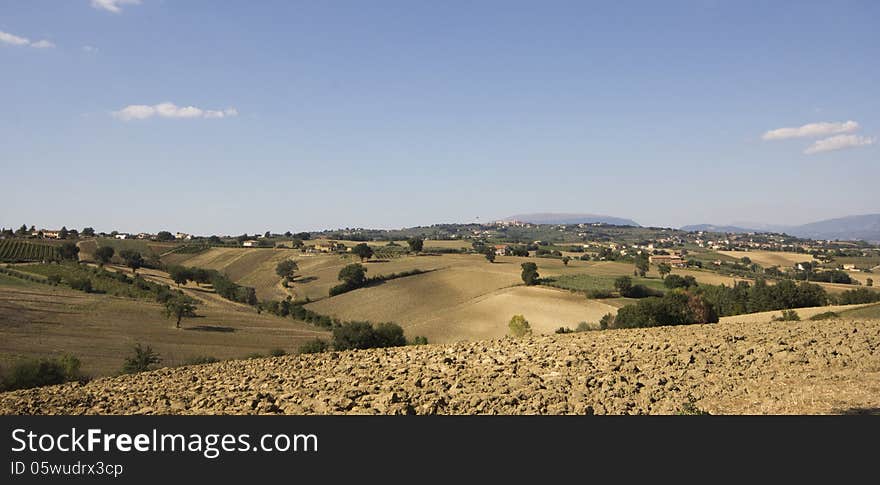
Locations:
787 316
675 308
277 353
583 327
200 359
599 294
43 372
362 335
563 330
53 279
315 346
677 281
143 359
82 284
825 316
519 326
419 340
606 321
860 295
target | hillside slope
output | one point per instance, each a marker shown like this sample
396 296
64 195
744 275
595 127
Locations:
799 367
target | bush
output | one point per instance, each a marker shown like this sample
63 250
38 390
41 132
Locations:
82 284
599 294
277 353
419 340
519 326
675 308
315 346
143 359
860 295
53 279
606 321
825 316
787 316
200 359
583 327
677 281
362 335
43 372
563 330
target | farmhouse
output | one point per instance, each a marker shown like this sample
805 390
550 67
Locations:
183 235
122 236
501 249
48 233
250 243
673 260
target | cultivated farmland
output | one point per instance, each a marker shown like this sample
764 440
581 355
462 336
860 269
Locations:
15 251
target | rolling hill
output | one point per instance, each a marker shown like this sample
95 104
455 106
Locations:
565 218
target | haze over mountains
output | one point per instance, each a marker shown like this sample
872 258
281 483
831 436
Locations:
862 227
859 227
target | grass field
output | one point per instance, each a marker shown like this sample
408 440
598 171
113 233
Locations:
867 311
586 282
40 321
804 313
770 258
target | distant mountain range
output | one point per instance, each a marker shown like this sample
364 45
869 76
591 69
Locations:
558 218
863 227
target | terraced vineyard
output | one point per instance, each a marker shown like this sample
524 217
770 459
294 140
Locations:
13 251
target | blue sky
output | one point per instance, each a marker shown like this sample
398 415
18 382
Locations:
310 115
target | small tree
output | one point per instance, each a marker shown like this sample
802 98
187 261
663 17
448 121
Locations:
164 236
530 273
69 251
664 269
363 251
869 282
565 260
642 264
88 232
104 254
287 269
133 259
519 326
354 275
63 233
416 244
490 256
179 275
623 285
142 360
178 308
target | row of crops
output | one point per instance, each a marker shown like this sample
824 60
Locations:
14 251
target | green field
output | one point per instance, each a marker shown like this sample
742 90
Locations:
16 251
872 311
587 282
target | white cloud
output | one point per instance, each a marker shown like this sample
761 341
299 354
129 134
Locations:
42 44
812 129
169 110
7 38
114 6
90 49
838 142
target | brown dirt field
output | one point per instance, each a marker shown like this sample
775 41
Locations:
770 258
40 320
827 367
